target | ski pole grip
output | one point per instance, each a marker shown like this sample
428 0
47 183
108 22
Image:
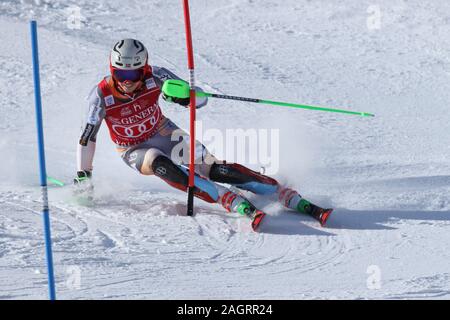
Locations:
176 88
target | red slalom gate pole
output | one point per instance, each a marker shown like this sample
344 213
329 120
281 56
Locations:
190 54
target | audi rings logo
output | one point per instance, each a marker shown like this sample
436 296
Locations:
161 171
136 130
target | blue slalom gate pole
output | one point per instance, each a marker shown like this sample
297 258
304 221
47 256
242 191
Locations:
43 172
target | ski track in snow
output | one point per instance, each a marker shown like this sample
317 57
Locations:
388 177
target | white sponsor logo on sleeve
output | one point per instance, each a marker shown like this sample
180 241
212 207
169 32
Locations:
94 115
109 100
94 112
150 83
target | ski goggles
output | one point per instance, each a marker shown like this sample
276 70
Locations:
130 75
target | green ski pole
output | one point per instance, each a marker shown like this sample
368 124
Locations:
180 89
55 181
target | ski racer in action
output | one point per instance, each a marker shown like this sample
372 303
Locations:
127 100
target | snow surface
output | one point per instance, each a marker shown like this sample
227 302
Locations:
388 177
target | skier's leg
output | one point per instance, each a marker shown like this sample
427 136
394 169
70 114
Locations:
246 179
293 200
243 178
153 161
178 177
174 142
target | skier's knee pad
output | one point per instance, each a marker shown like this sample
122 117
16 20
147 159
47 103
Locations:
178 177
242 177
164 168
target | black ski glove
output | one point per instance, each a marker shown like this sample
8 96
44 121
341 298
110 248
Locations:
83 187
82 176
181 101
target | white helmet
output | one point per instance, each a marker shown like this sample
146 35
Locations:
128 54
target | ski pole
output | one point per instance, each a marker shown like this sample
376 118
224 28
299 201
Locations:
179 89
55 181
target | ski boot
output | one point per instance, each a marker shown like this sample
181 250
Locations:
318 213
235 202
249 210
291 199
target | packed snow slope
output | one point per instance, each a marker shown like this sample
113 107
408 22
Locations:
388 177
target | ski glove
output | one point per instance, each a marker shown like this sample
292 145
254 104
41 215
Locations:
83 187
181 101
82 176
178 91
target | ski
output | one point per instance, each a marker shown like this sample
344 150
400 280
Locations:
322 215
318 213
257 219
248 209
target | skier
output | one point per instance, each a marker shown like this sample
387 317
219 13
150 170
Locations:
127 100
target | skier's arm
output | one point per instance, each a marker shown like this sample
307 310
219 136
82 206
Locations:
162 74
85 156
87 142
